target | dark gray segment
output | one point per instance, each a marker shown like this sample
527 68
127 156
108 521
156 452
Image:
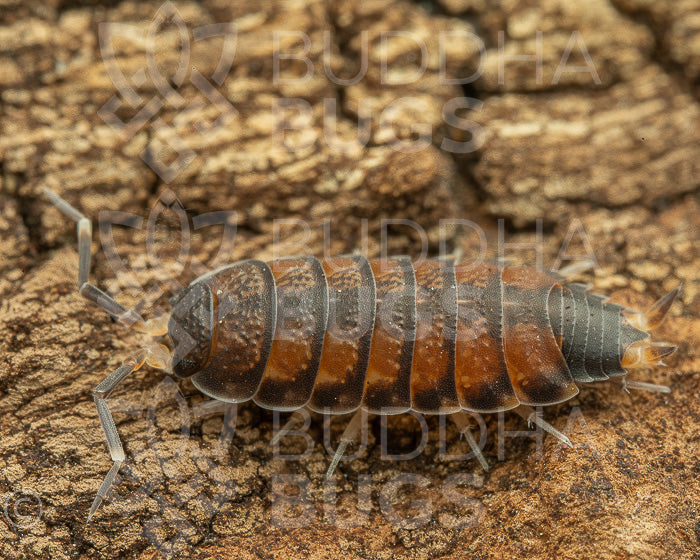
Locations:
568 319
612 350
576 358
555 305
594 343
190 329
629 335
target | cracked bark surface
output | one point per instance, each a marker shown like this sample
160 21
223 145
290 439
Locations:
616 158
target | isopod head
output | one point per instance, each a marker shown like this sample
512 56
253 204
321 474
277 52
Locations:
190 328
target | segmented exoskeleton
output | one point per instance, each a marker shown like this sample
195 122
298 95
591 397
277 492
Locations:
345 333
387 336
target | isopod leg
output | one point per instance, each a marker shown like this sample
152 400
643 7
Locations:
349 435
642 386
463 422
298 416
89 291
576 267
530 414
114 444
456 256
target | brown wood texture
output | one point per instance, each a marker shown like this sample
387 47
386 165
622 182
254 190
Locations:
602 145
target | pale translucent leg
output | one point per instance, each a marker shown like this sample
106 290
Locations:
155 355
292 421
455 257
642 386
114 444
210 407
530 414
89 291
464 423
230 411
348 436
576 268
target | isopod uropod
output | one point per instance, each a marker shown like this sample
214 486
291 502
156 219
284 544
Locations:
345 334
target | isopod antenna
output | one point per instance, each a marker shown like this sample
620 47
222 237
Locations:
154 354
126 317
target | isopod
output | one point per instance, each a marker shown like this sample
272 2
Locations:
345 334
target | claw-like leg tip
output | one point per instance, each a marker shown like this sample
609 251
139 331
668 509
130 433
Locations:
95 504
348 436
475 449
104 488
336 458
547 427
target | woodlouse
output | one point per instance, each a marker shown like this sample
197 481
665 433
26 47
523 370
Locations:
387 336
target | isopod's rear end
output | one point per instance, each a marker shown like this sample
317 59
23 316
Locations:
603 339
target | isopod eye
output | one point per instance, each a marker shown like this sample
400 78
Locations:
190 329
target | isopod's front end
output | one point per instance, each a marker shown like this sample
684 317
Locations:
222 327
191 329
